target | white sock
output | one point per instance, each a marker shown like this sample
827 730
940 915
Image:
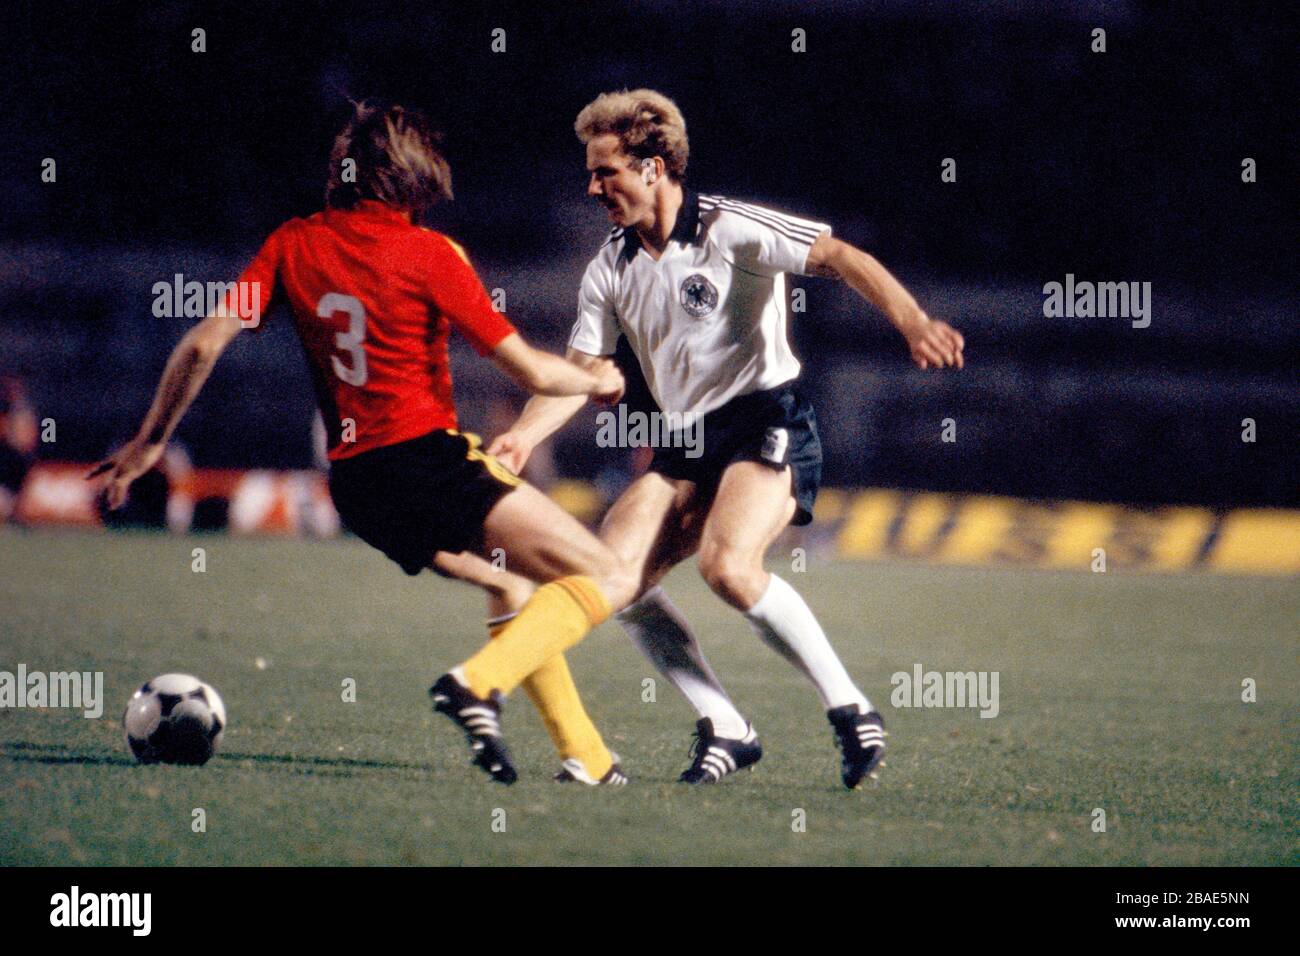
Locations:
786 624
663 635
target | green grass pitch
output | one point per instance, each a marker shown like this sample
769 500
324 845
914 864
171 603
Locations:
1117 691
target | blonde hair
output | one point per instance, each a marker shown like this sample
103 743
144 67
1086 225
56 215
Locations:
646 122
397 157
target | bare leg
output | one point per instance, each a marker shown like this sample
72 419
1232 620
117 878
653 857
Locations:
506 591
653 526
586 583
753 505
543 542
645 525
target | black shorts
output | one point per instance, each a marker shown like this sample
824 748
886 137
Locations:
776 428
418 497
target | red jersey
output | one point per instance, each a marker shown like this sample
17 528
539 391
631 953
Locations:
374 299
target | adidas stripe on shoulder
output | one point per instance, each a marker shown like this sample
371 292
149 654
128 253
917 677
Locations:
794 229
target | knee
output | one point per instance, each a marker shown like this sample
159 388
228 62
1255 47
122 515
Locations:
729 574
618 580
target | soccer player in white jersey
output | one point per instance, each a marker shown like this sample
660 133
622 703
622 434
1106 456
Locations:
696 284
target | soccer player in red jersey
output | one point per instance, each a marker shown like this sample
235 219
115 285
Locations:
374 299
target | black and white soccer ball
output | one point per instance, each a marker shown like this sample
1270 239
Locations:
174 718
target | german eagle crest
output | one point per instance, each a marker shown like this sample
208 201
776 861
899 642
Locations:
698 295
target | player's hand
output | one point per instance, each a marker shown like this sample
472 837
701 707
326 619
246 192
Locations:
935 345
610 379
512 450
116 473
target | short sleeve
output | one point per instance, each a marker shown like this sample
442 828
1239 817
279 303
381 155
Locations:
762 241
596 330
458 294
251 296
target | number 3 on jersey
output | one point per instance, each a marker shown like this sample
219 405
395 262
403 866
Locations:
349 341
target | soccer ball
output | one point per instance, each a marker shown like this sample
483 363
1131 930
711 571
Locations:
174 718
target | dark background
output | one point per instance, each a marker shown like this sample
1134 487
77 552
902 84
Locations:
1115 166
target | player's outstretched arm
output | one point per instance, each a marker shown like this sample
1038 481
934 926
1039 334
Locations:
932 343
187 369
543 415
545 374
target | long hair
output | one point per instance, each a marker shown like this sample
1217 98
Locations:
391 154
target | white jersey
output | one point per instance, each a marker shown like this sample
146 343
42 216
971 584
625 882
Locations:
707 321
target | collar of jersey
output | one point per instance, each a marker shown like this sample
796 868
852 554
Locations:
378 209
686 230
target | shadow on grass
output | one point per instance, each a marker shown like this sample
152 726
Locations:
331 766
28 752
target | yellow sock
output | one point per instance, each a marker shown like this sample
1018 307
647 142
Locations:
553 693
556 617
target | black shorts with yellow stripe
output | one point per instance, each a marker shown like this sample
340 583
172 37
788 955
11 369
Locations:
418 497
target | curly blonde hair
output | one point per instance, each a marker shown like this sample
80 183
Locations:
646 122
